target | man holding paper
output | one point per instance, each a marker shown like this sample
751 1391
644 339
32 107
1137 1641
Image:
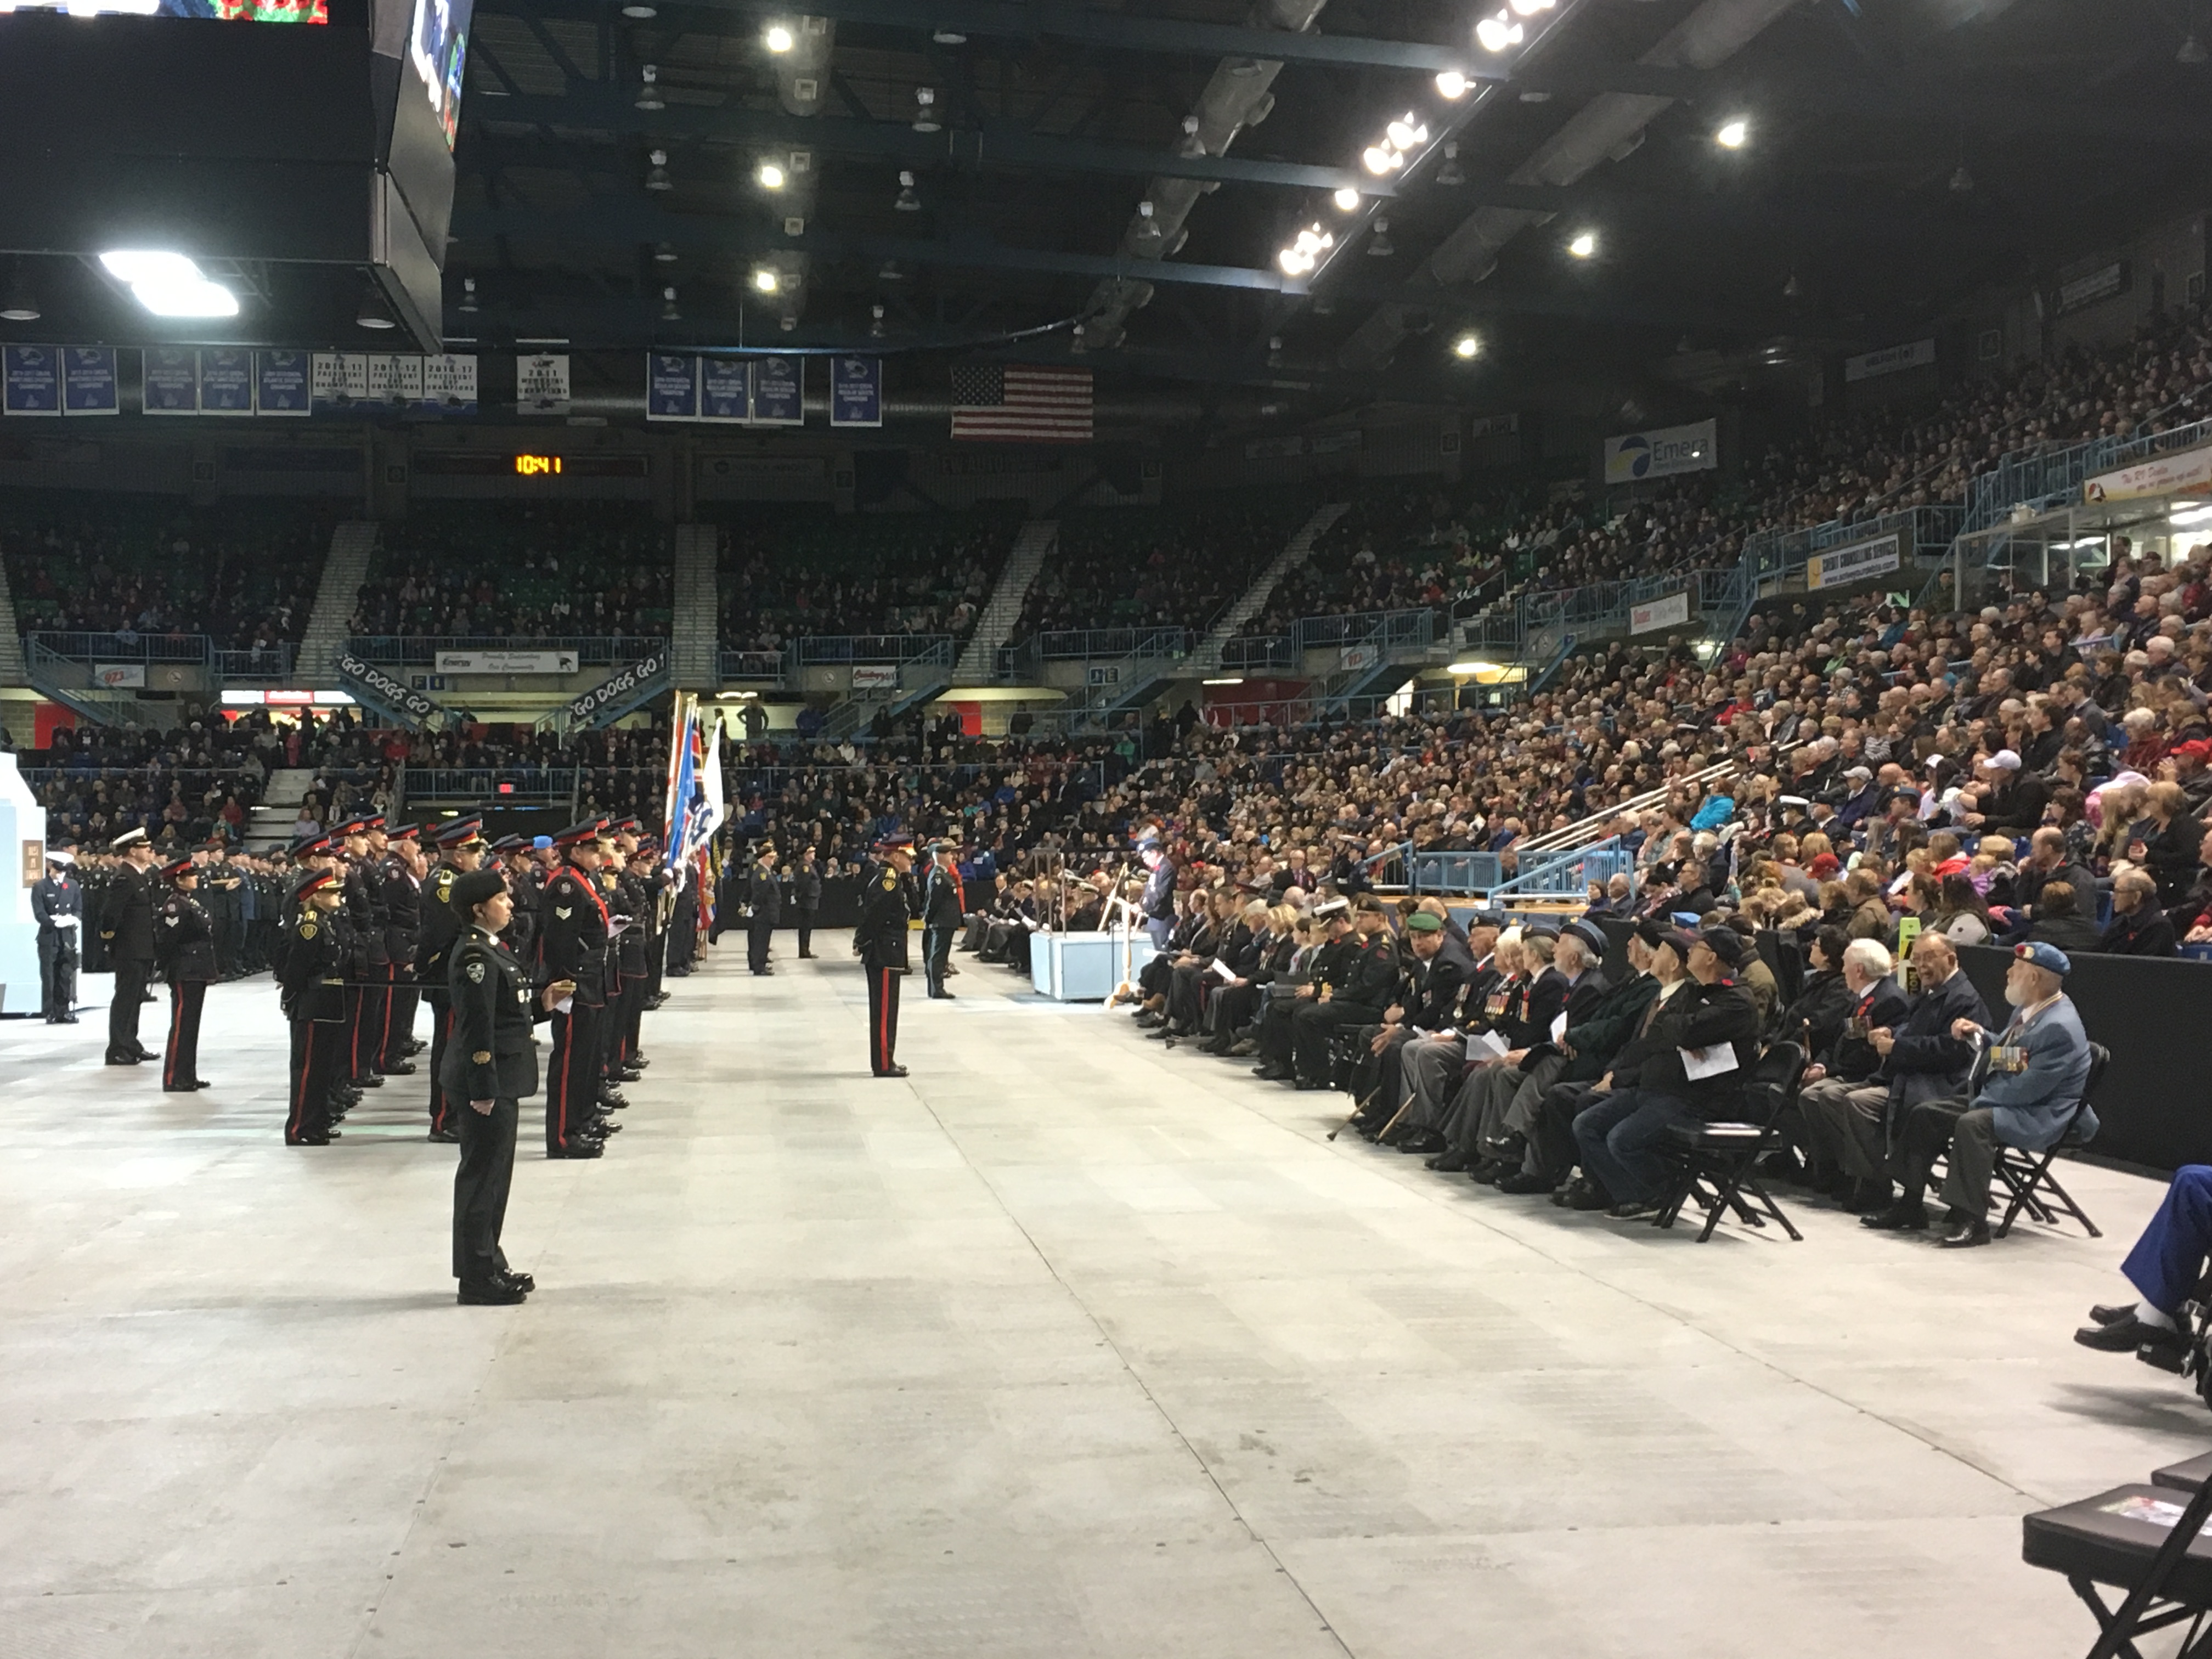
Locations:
58 906
1701 1078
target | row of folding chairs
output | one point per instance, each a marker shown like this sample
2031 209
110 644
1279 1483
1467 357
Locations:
2145 1541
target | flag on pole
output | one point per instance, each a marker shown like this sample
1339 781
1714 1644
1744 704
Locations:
1020 402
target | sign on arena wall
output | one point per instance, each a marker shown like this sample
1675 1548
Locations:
856 392
637 675
1669 612
2161 475
405 701
880 677
120 676
506 662
1839 566
1891 360
1661 452
32 379
1354 657
541 384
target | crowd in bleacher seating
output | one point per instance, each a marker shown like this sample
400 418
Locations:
497 570
789 574
184 787
242 574
1137 568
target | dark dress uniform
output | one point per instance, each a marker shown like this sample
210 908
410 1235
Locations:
572 945
403 943
126 923
881 940
805 901
58 906
941 912
367 991
765 894
441 929
184 946
313 974
489 1056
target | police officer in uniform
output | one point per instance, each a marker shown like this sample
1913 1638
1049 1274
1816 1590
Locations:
765 896
806 899
491 1065
126 923
401 872
184 948
460 852
881 944
571 946
942 911
312 973
58 906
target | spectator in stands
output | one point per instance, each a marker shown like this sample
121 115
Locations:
2059 921
2139 927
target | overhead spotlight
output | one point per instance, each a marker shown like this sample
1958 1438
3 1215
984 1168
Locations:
1530 8
907 202
778 38
23 304
1347 200
1733 133
1379 246
668 310
1500 33
1077 342
925 110
1451 84
1466 346
169 284
876 324
648 92
790 323
469 306
2193 52
665 254
1305 251
765 280
1406 131
1275 351
771 176
890 272
1962 182
948 37
1379 159
373 312
638 12
1192 143
1449 173
656 176
1584 244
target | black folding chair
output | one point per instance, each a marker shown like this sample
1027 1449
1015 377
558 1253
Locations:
2025 1177
1716 1160
2138 1539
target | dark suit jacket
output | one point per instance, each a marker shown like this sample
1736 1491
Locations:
489 1055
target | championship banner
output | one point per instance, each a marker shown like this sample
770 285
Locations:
1662 453
1670 612
856 392
505 662
1837 565
89 383
283 382
725 390
449 385
671 387
30 379
778 391
2162 475
540 385
226 380
395 380
341 381
172 380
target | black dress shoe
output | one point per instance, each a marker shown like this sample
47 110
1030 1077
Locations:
368 1080
314 1138
638 1062
404 1068
2125 1334
522 1282
1964 1233
2112 1313
490 1293
896 1071
1522 1184
125 1060
1310 1083
1451 1161
1422 1141
179 1088
1269 1073
1584 1194
577 1148
446 1137
613 1101
1898 1218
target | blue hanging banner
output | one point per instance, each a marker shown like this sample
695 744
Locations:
856 392
30 379
88 382
778 399
283 382
723 393
671 387
173 381
226 380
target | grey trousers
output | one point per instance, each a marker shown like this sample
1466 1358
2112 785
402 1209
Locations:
1844 1124
1429 1069
1499 1100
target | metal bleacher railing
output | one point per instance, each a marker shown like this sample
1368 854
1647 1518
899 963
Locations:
2037 477
422 651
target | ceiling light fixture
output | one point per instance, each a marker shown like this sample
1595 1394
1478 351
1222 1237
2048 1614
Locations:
469 306
1449 173
1406 131
948 37
1451 84
1733 133
665 254
1584 244
771 176
656 176
638 12
876 323
925 112
169 284
1379 246
1305 251
2193 52
907 201
1347 200
668 310
648 92
1500 33
778 38
1466 346
373 311
22 303
766 280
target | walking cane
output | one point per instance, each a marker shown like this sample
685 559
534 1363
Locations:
1362 1107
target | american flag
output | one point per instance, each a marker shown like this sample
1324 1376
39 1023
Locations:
1017 404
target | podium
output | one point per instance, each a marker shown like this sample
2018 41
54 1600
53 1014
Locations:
1085 967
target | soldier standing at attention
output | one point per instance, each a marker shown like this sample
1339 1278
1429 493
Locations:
806 899
491 1064
312 971
58 906
944 911
881 944
402 872
572 946
126 923
184 946
460 852
765 896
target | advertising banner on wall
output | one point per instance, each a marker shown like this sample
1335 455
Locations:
1837 567
875 677
120 676
1891 360
1661 452
506 662
2162 475
1669 612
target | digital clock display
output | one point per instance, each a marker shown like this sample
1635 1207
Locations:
538 466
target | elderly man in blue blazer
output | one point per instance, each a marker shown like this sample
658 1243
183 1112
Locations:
2025 1084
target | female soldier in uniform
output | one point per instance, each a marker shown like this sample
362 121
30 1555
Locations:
491 1063
184 950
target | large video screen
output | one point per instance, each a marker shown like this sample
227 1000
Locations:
222 11
438 48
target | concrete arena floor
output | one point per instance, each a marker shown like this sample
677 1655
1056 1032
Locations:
1065 1345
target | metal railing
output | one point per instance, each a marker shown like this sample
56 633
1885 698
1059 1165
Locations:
2033 477
821 650
490 784
1251 652
420 651
754 665
87 648
1386 630
1107 644
1773 554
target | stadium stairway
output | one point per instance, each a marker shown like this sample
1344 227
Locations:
12 669
695 642
979 660
1296 552
269 825
353 544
